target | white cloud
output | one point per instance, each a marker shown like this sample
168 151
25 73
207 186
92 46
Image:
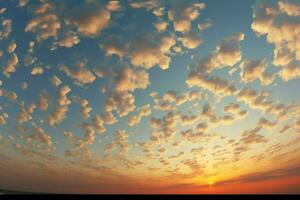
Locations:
44 26
147 53
11 64
289 8
55 81
5 29
11 47
227 53
142 112
183 15
113 5
255 69
37 71
191 40
23 116
69 40
129 80
161 26
85 108
90 20
213 84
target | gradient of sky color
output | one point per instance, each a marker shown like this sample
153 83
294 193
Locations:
149 96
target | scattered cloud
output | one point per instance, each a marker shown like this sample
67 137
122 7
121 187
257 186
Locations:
90 19
183 15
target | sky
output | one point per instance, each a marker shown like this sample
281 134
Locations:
149 96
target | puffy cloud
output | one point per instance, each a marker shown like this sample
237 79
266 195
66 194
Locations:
43 104
122 140
165 126
82 75
183 15
232 108
85 108
114 46
204 25
281 110
123 103
169 96
31 107
11 47
63 100
255 69
143 112
129 80
55 81
208 114
171 100
23 116
188 120
289 8
164 106
147 53
45 24
282 56
12 96
99 124
213 84
196 137
284 34
161 26
70 39
29 60
227 53
11 64
148 5
58 115
159 11
2 10
24 85
252 137
256 100
202 126
22 3
108 118
43 8
235 109
290 71
2 120
90 19
37 71
264 123
109 147
89 136
191 40
113 5
5 28
40 136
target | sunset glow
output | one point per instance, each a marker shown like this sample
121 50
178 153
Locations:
150 96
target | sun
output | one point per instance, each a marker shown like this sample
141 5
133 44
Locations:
211 183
